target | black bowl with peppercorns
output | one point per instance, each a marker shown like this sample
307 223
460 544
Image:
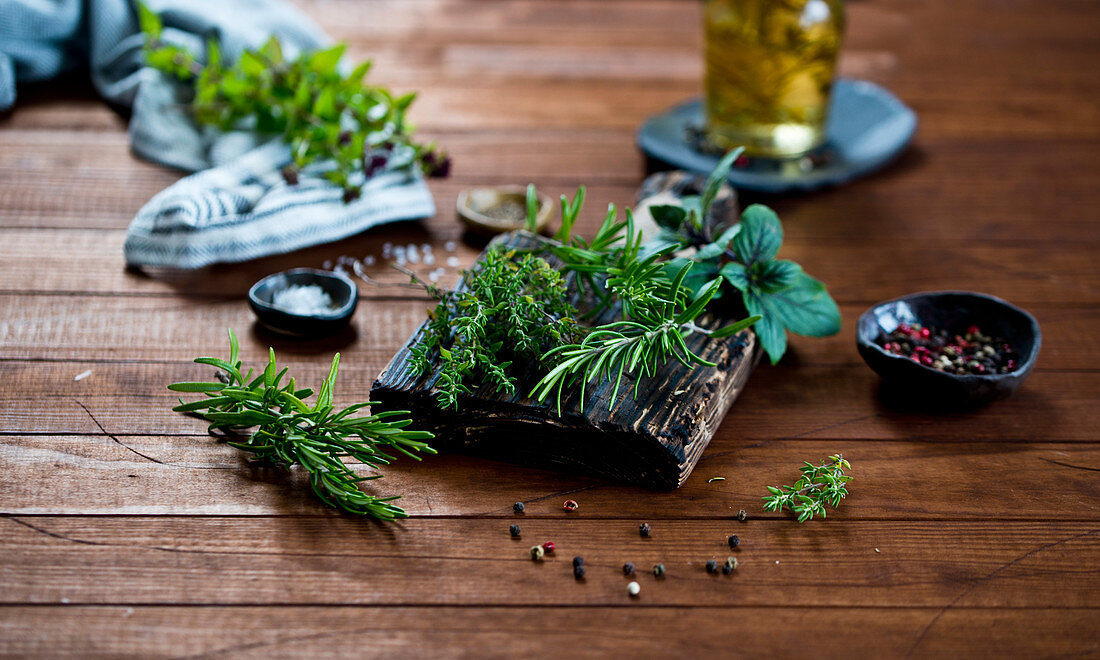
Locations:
955 348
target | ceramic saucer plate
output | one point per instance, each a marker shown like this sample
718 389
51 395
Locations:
867 128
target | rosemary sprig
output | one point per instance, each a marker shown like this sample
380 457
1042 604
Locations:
290 432
819 485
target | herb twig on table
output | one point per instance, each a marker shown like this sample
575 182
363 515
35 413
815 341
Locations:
356 130
288 431
819 485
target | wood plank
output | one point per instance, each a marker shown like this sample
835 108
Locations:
805 401
220 561
453 632
92 262
195 475
102 328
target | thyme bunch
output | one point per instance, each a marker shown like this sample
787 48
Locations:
351 129
819 485
288 431
513 308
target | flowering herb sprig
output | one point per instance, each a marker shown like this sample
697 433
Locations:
357 130
288 431
819 485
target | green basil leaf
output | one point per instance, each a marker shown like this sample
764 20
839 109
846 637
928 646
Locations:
805 308
760 236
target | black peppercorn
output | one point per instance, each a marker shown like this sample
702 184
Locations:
658 570
712 566
734 541
727 568
578 561
578 571
742 516
514 530
643 529
628 568
518 507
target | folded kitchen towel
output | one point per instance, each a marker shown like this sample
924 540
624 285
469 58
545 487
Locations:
237 207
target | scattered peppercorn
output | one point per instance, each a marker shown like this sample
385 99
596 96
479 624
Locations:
643 529
969 353
712 566
548 547
518 507
633 588
578 572
628 568
729 566
658 570
350 195
742 516
290 175
734 541
578 561
537 552
514 531
570 505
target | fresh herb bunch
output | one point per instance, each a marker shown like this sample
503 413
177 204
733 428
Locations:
356 130
819 485
513 308
290 432
744 257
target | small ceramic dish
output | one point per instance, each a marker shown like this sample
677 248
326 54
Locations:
341 291
492 211
953 311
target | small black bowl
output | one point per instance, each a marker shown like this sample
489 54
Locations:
340 288
953 311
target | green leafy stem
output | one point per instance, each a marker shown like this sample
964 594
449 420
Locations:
819 485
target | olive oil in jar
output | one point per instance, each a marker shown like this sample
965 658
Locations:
769 73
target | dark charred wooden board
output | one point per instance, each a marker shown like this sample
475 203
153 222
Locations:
653 439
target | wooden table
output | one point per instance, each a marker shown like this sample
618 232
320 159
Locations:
128 531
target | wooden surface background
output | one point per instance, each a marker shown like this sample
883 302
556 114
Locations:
128 531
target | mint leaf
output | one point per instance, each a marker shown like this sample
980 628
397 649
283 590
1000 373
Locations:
774 276
737 275
668 216
769 329
806 308
760 235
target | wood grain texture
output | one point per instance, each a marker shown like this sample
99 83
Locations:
125 531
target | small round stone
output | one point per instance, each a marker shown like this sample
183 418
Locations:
628 568
734 541
518 507
643 529
633 588
742 515
658 570
537 552
514 531
578 572
712 566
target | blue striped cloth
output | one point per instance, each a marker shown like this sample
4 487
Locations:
236 206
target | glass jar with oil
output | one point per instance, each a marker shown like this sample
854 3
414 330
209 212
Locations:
769 73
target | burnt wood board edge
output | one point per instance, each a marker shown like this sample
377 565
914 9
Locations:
653 441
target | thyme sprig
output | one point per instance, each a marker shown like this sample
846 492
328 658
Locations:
352 129
288 431
819 485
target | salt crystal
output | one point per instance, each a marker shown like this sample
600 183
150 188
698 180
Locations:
429 259
452 262
433 276
450 246
400 261
412 255
368 260
425 247
387 250
83 374
303 300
